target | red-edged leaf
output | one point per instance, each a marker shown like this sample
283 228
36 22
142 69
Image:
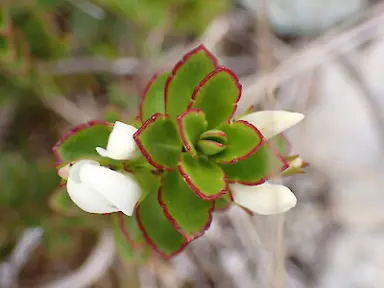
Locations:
157 230
217 95
208 147
188 213
81 141
152 100
159 141
243 140
257 168
204 177
215 135
185 76
191 124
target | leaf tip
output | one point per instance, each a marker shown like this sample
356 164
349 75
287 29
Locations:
180 63
181 129
219 69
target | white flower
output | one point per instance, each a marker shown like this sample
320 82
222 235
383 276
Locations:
272 123
121 145
97 189
264 199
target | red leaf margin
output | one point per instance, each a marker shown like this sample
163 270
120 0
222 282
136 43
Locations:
180 127
180 63
272 174
211 134
75 130
214 143
253 150
149 241
177 227
126 234
218 69
141 146
145 92
195 189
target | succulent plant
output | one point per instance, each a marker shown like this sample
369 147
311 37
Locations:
162 176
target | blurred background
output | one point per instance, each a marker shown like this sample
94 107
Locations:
64 62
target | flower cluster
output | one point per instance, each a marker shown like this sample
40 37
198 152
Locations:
183 158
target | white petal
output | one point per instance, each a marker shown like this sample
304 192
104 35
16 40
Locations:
121 190
121 145
264 199
102 152
272 123
83 195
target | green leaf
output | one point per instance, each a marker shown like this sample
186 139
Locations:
188 213
224 202
205 178
257 168
217 95
152 100
129 238
215 135
209 148
159 141
185 76
61 203
81 141
191 124
158 231
243 140
281 144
